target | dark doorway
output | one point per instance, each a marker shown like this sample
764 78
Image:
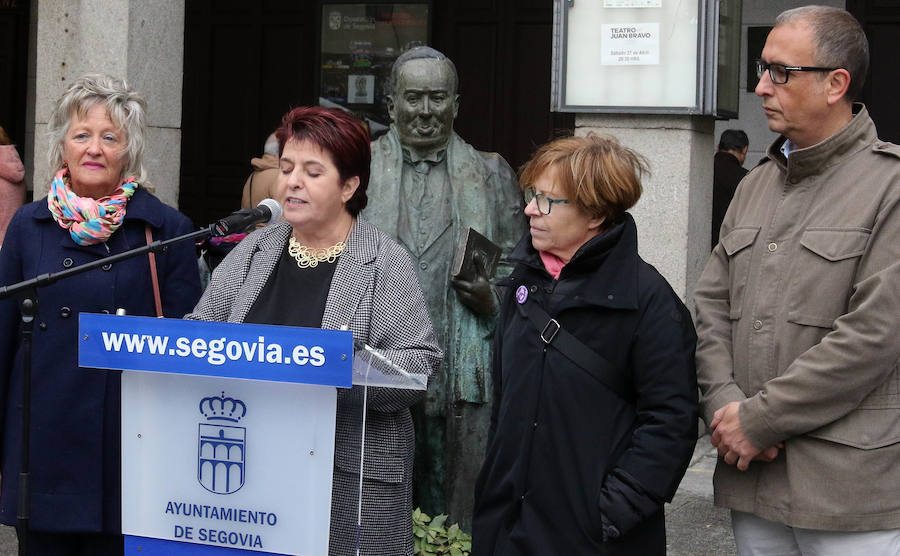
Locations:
502 50
14 16
246 63
881 21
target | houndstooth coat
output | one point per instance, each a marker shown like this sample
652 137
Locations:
375 293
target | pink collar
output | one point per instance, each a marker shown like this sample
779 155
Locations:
552 263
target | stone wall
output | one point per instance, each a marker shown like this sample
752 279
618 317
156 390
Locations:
673 215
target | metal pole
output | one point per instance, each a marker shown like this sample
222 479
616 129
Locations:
28 308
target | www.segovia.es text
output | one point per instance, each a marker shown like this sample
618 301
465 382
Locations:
215 351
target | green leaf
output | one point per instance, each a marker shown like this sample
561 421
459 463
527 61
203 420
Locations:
439 520
432 537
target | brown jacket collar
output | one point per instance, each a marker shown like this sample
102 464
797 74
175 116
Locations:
802 163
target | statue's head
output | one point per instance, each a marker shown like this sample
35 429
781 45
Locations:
422 101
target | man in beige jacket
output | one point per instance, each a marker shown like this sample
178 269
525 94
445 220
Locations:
798 311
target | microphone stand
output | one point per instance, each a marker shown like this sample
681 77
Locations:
27 293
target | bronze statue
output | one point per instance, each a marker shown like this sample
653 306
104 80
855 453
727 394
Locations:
427 186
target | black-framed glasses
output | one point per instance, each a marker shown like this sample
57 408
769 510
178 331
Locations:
779 73
544 203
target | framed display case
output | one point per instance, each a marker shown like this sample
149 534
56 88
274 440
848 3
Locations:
728 59
647 56
358 44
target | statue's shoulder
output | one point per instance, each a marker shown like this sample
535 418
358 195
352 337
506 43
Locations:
497 165
385 145
494 164
504 184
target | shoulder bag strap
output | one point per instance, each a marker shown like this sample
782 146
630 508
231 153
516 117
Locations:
153 275
574 350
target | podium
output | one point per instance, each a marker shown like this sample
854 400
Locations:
228 430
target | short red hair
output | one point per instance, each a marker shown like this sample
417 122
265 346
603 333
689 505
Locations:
340 135
598 174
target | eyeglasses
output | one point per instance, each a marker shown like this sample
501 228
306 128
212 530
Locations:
779 73
544 203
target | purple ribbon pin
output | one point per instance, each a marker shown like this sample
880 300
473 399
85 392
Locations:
521 294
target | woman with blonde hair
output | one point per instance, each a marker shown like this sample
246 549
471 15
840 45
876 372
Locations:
595 398
96 207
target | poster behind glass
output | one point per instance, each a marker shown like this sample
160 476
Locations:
630 55
359 45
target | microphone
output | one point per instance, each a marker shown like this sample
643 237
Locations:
268 211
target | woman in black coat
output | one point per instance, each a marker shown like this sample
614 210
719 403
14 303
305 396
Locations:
595 397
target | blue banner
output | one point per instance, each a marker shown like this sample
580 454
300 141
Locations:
145 546
221 349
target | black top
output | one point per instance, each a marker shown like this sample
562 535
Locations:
727 174
293 296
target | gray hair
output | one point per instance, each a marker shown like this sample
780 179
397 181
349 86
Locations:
420 53
271 146
840 41
125 107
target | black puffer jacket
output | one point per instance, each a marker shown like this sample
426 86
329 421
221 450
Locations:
571 467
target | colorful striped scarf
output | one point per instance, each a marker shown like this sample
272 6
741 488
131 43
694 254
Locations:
89 221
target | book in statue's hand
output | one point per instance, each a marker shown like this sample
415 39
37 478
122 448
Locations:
471 244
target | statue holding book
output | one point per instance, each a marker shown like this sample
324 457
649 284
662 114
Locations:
427 189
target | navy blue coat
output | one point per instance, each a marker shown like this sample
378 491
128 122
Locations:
571 467
75 430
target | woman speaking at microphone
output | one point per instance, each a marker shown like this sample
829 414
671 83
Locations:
96 207
326 267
